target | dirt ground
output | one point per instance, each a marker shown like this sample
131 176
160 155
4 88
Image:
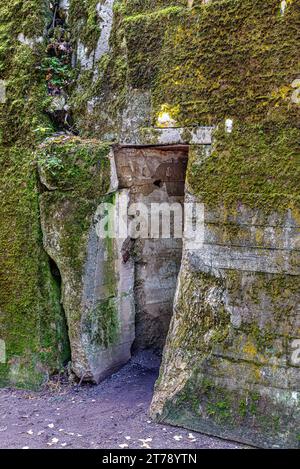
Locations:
112 415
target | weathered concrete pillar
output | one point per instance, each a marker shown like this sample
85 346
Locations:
97 287
231 362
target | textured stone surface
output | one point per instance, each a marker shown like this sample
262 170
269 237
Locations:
111 303
108 286
31 319
97 288
87 59
227 367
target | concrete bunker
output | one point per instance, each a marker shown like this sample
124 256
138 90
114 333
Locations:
117 291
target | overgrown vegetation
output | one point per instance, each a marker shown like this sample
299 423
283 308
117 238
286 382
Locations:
31 320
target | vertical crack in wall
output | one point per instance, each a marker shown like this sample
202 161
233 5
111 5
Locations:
63 326
59 75
61 323
57 66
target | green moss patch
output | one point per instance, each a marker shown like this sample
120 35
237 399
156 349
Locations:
258 166
84 22
69 164
229 59
31 320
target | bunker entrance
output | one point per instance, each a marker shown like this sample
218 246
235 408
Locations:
155 180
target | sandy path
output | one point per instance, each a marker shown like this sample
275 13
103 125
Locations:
106 416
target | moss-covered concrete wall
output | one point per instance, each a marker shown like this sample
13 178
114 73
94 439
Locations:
202 64
227 366
31 320
138 65
216 60
76 175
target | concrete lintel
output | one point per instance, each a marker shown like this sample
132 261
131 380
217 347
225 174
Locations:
171 136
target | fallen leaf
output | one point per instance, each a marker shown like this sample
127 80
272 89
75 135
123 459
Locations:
145 445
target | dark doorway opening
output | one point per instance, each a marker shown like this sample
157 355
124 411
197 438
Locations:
155 175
